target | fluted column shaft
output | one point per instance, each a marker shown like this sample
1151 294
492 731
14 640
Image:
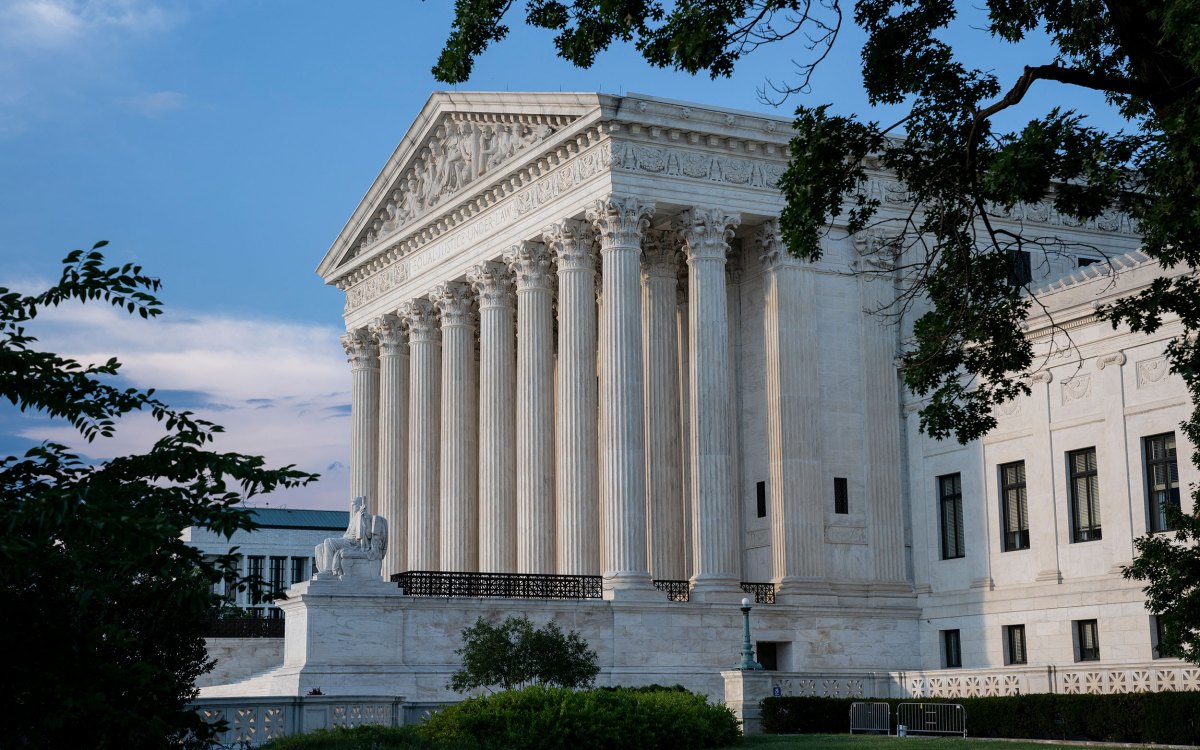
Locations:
797 514
530 264
424 431
393 437
664 500
577 469
459 476
706 234
497 419
363 355
620 222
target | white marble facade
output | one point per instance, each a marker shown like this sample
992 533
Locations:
578 347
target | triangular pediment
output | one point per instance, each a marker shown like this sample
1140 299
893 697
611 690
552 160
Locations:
458 142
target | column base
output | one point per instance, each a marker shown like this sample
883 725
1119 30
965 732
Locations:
630 587
717 589
811 591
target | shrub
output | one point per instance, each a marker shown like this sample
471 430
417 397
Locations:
514 654
540 718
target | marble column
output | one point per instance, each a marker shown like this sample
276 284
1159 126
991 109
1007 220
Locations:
363 355
497 418
620 222
881 407
576 470
793 430
530 263
388 331
424 432
685 419
664 496
459 477
706 233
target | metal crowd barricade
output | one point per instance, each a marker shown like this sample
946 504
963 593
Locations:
872 717
932 718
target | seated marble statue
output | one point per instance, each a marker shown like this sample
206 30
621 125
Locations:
360 550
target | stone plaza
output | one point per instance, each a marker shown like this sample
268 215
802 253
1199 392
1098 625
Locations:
591 385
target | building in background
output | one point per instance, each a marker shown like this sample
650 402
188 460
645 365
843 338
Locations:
280 549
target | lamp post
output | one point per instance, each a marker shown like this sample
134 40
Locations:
747 661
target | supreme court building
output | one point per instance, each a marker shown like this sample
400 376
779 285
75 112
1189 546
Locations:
583 360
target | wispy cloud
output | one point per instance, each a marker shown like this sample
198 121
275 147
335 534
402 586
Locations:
60 24
55 55
158 104
279 389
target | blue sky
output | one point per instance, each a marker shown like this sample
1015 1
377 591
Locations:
223 144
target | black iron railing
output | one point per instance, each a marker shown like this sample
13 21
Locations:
246 627
764 593
506 585
677 591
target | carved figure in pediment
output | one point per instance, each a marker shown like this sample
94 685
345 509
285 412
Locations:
503 145
393 212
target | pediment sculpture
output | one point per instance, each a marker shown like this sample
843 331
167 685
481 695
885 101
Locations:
460 150
359 552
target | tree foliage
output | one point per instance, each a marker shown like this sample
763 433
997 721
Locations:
950 252
1170 563
514 654
105 606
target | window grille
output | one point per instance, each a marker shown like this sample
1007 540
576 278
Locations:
1015 506
1085 496
1088 637
841 496
1015 637
953 537
1162 479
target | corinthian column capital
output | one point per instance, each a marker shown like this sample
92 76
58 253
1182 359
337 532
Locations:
454 302
620 221
706 232
388 332
361 351
572 244
660 254
421 318
493 283
769 243
530 265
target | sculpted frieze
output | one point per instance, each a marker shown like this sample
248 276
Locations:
463 148
417 259
698 165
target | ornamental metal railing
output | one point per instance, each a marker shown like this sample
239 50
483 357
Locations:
764 593
504 585
677 591
245 627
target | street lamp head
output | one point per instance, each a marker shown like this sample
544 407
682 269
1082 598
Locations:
745 601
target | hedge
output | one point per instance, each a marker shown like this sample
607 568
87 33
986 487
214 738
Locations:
540 718
1161 718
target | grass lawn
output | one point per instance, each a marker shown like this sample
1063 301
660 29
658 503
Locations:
866 742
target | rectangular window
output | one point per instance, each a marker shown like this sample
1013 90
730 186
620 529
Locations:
1082 261
1088 638
950 502
1162 479
760 493
951 649
254 566
1014 643
841 496
768 655
278 564
1085 496
1015 507
299 569
1020 269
